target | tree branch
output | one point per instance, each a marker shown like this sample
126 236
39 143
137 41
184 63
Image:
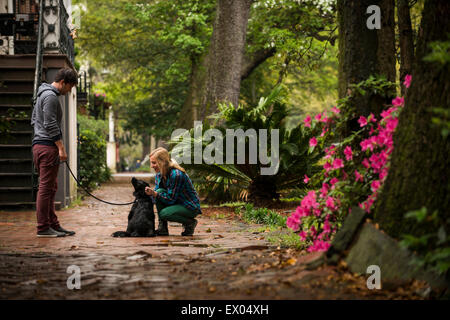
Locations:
250 63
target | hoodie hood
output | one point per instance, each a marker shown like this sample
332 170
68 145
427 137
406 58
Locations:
47 87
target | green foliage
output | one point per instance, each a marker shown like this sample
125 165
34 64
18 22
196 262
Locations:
225 182
92 144
440 52
261 216
150 49
100 127
441 119
433 249
286 239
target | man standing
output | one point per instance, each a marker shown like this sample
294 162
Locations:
48 150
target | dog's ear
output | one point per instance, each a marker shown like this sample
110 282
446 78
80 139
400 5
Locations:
134 182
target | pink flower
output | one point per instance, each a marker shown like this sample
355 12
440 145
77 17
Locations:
307 121
330 204
372 118
323 132
348 153
303 235
407 81
338 163
317 117
358 176
327 166
398 102
313 142
335 110
324 119
366 163
326 227
362 121
375 185
319 245
306 179
324 189
334 181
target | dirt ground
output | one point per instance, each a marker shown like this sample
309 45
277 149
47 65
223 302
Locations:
225 259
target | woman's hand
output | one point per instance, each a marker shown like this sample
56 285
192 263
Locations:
150 192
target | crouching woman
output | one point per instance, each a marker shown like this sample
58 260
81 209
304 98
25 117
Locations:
174 194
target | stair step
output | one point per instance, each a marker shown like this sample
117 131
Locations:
8 151
16 67
16 98
22 73
16 194
24 205
15 165
4 109
20 124
11 86
15 180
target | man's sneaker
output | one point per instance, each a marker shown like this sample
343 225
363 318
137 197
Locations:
189 228
61 229
50 233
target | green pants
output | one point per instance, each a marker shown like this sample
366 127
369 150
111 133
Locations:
175 213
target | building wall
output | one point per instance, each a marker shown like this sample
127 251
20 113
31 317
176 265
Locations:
67 188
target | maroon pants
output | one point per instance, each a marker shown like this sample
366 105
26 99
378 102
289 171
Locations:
46 161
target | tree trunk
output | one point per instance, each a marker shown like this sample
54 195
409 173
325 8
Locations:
364 52
406 40
216 76
419 173
190 110
145 145
226 54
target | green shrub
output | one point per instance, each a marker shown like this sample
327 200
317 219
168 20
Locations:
433 249
92 143
262 216
231 182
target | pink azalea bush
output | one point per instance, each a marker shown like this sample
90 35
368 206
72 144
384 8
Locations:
350 176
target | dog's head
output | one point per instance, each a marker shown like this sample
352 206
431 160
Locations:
139 187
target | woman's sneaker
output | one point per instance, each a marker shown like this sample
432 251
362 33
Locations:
189 228
50 233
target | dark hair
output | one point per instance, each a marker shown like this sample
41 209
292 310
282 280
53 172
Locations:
68 75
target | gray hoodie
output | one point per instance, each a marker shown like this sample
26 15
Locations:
47 115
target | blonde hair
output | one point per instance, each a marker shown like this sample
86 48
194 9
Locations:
164 161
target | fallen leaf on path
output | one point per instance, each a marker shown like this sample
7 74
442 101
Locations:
212 289
208 230
291 261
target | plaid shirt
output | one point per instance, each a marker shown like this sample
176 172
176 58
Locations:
179 190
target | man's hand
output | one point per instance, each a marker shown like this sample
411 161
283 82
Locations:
62 151
62 155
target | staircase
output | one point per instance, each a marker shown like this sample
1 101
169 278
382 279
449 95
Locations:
17 188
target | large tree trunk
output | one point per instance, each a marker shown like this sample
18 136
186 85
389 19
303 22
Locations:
405 39
216 76
364 52
419 173
226 54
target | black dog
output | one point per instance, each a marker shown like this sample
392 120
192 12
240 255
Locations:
141 220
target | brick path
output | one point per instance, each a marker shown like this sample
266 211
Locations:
223 260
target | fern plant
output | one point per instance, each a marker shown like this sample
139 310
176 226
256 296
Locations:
229 182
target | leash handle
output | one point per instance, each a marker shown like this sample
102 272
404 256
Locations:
79 184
